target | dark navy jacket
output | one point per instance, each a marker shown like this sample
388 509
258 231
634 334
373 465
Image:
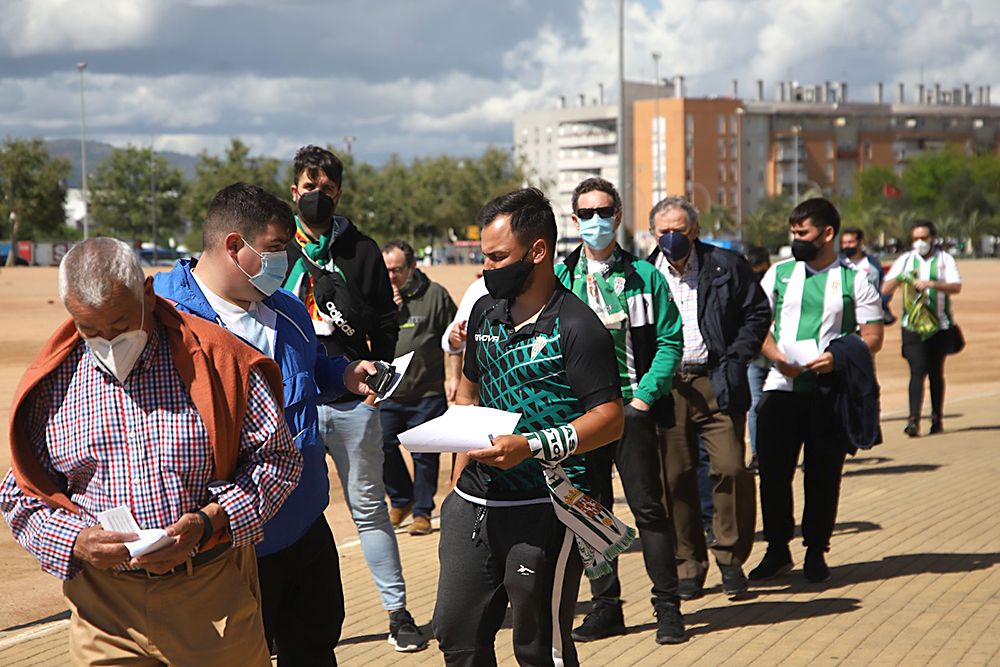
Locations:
854 392
306 370
733 316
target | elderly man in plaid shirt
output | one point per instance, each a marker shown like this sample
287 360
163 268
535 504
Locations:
134 404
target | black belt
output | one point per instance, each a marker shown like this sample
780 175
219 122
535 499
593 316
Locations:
192 562
698 370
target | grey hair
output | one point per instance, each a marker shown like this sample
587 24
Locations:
674 202
92 269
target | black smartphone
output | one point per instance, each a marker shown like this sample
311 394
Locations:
380 381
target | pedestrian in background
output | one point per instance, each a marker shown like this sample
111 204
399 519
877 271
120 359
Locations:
425 313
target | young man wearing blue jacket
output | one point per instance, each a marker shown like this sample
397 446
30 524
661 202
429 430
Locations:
235 283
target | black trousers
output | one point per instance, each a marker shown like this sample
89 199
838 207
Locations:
522 555
302 599
637 457
926 360
787 421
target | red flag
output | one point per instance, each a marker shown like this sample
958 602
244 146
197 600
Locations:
890 190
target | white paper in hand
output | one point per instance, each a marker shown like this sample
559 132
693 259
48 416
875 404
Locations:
462 428
119 519
800 352
400 364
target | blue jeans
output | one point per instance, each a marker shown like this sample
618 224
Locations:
756 375
402 490
353 436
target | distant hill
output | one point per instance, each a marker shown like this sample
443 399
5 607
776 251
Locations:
98 152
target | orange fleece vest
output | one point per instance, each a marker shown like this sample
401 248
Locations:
214 366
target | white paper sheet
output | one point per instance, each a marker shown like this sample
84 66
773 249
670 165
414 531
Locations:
120 519
800 352
400 364
462 428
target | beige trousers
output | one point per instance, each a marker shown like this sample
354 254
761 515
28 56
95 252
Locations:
209 616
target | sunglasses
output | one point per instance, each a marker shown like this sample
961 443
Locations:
588 213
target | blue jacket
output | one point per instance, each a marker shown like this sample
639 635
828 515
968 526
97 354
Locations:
306 371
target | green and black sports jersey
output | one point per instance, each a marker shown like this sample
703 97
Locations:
551 371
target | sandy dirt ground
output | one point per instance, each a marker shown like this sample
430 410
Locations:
30 310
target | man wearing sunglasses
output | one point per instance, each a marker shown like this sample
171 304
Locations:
725 318
634 303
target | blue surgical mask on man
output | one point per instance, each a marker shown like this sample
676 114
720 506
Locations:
273 266
597 232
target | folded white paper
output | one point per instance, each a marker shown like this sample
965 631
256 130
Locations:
119 519
462 428
800 352
400 364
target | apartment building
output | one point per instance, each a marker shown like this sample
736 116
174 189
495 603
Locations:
732 153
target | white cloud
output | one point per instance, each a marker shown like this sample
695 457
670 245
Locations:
31 27
464 94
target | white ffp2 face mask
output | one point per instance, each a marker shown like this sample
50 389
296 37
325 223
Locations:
120 354
922 247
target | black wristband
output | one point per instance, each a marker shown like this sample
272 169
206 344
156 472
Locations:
208 529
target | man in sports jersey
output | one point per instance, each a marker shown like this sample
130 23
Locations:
852 247
929 278
536 349
634 303
816 298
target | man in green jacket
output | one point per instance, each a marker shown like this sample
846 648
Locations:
425 313
633 301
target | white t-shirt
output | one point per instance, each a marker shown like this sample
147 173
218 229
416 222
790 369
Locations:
257 326
473 293
813 305
939 265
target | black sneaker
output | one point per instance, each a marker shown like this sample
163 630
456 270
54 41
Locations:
912 428
604 620
776 561
734 582
690 589
404 633
936 426
669 623
815 568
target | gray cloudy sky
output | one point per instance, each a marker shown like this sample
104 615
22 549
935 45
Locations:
438 76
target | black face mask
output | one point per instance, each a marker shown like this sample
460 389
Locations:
316 207
804 251
850 251
508 282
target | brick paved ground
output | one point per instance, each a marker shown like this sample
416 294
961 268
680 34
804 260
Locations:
915 577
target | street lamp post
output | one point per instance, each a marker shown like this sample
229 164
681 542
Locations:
83 152
657 156
349 141
152 192
739 170
623 186
795 132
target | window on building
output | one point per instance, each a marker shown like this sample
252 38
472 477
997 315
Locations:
733 194
721 195
722 124
829 150
733 171
537 137
868 150
734 148
722 148
733 127
722 172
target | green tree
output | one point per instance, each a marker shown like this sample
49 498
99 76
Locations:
122 191
767 225
214 173
32 191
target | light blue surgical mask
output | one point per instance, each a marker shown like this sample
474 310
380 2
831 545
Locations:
273 267
597 232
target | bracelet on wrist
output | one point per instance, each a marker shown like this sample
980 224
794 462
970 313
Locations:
553 445
208 529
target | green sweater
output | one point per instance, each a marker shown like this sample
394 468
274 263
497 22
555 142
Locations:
423 318
655 339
